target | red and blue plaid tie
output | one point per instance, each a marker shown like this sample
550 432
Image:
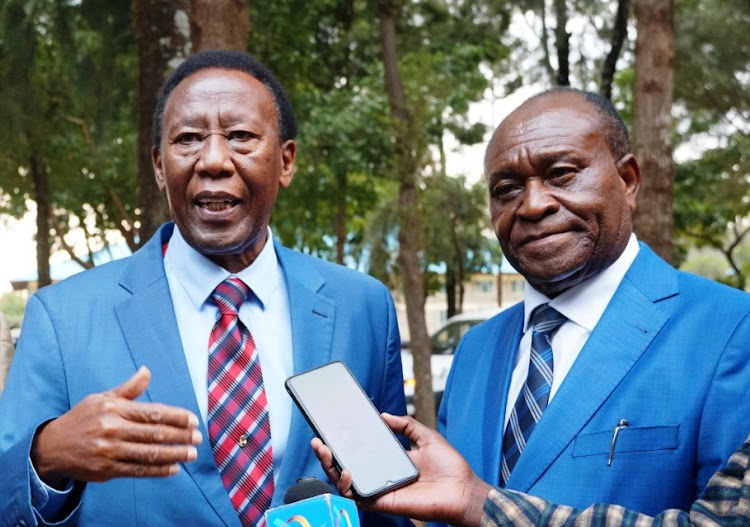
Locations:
534 396
238 424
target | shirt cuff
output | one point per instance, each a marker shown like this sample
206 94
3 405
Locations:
47 501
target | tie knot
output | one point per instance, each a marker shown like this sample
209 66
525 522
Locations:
230 294
546 319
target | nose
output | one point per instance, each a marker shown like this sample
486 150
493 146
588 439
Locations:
215 158
538 200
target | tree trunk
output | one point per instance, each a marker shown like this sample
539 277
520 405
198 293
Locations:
43 212
458 253
450 291
562 44
219 24
162 32
409 224
652 123
619 33
544 40
339 226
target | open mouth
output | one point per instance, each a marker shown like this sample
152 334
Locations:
217 204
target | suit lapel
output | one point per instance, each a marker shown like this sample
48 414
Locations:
627 327
312 319
150 328
505 348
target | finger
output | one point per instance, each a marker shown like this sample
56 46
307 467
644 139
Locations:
326 459
411 428
136 470
134 432
344 485
134 386
158 413
153 455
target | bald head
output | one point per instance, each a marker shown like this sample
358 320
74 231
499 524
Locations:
613 128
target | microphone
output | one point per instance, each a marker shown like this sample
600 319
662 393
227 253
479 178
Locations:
311 503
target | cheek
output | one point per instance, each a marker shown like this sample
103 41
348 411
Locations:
500 218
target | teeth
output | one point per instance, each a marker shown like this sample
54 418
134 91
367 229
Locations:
215 205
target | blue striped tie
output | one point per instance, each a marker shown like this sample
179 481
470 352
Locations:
534 396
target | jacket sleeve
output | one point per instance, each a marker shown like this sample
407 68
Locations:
34 394
722 503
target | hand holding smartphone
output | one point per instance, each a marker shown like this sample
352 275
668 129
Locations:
344 418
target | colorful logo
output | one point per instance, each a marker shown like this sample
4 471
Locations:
297 520
343 514
342 520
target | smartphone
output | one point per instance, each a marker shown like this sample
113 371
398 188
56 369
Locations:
344 418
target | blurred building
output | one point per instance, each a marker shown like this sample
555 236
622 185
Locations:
481 291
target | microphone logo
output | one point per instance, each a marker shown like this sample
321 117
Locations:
294 521
342 520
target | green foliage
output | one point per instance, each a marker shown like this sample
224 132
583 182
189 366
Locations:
328 57
456 227
12 305
712 60
712 202
67 90
67 76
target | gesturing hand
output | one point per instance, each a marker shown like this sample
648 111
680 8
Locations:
447 489
109 435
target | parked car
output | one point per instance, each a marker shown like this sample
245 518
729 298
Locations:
444 343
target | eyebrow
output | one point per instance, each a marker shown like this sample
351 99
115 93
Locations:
543 159
557 157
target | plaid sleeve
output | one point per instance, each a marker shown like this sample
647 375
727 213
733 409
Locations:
725 502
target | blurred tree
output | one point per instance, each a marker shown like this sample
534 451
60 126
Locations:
162 34
712 96
343 145
28 104
219 24
652 123
455 226
712 204
65 118
12 305
584 57
408 149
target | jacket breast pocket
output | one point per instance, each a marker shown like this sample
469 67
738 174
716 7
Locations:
630 439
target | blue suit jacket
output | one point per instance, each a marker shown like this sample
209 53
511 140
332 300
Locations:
92 331
671 354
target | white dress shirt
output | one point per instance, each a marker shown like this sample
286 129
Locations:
192 277
583 306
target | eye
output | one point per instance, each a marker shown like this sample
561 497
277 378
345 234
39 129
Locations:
561 175
188 138
506 190
240 135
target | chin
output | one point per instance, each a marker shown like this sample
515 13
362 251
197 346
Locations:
555 284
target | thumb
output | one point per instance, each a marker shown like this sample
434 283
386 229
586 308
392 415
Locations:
134 386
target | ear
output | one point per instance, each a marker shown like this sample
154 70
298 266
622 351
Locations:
158 169
288 156
630 173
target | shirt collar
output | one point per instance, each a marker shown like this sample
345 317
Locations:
199 276
585 303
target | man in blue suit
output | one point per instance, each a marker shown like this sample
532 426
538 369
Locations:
105 417
637 392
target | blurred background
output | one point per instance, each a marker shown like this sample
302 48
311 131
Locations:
396 100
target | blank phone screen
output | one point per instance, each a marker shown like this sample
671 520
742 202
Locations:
349 424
